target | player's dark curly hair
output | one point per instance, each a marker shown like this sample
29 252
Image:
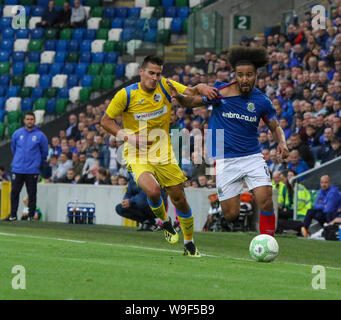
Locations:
244 56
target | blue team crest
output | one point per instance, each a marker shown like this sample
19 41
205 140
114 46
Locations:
251 107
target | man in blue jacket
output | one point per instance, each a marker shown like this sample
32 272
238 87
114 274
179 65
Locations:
134 206
326 205
29 148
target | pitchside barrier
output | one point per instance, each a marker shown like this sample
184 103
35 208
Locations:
53 200
5 199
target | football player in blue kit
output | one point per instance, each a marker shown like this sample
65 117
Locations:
232 137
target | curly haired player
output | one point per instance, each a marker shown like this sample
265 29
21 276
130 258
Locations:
232 136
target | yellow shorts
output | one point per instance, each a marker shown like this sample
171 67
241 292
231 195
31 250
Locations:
167 175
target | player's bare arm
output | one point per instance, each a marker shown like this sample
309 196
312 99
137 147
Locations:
136 140
202 89
279 137
189 101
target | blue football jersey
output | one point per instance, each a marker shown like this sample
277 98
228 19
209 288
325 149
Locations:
232 127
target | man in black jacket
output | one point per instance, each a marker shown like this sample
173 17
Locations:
303 149
64 16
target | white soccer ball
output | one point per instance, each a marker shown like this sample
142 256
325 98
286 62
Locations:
264 248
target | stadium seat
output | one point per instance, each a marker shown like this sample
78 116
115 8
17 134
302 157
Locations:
63 93
27 2
8 33
43 68
31 67
93 23
86 80
13 104
37 93
159 12
60 56
62 45
163 36
33 22
117 23
2 103
65 34
37 33
45 81
112 57
5 22
18 56
56 68
97 45
132 70
27 104
18 67
105 23
96 12
127 34
109 45
194 3
50 92
85 46
102 34
22 33
130 23
2 91
37 11
68 68
47 57
121 12
92 3
59 81
72 80
5 80
51 106
167 3
39 115
155 3
35 45
25 92
34 56
72 57
61 105
81 69
97 57
50 45
164 24
170 12
176 25
84 94
85 57
4 67
17 80
115 34
146 12
97 83
51 33
90 34
13 127
150 36
31 80
21 45
108 69
95 69
138 35
78 34
134 12
12 91
40 104
74 45
141 3
3 125
181 3
7 44
108 82
4 56
14 115
74 94
120 70
183 12
109 12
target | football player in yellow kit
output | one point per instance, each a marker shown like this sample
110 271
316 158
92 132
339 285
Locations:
145 108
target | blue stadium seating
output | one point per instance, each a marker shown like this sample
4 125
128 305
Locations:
167 3
34 56
69 68
4 56
63 93
12 91
2 91
138 34
81 69
22 33
60 56
50 45
28 11
5 22
27 104
11 2
43 3
176 25
1 9
86 81
2 103
120 70
74 45
130 23
109 12
90 34
150 36
134 12
51 105
37 33
18 67
127 34
5 79
62 45
121 12
37 11
170 12
8 33
45 80
43 68
78 34
6 44
37 93
98 57
117 23
72 80
112 57
183 12
2 115
56 68
85 56
18 56
85 46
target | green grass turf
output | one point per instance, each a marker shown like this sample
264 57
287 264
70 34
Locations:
119 263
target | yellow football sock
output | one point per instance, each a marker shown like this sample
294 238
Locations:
187 227
159 209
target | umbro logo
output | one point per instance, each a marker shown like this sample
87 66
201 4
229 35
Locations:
187 228
140 101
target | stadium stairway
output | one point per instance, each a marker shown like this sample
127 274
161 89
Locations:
176 52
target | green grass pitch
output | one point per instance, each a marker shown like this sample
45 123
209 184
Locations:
64 261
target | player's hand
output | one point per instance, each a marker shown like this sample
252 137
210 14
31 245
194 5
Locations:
282 150
139 141
205 90
125 203
174 93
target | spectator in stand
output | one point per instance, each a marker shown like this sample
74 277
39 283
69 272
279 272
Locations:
326 150
69 177
49 16
263 140
296 162
275 163
78 15
122 180
104 153
90 168
72 129
303 150
272 143
55 148
78 163
266 156
3 174
64 16
326 205
283 122
202 181
102 176
336 126
64 163
113 153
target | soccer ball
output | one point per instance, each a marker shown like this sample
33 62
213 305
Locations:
264 248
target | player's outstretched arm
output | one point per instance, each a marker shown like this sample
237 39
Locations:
185 100
279 137
202 89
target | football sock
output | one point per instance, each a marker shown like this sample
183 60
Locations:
186 222
267 222
158 209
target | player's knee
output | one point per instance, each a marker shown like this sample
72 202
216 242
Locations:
231 214
266 204
154 193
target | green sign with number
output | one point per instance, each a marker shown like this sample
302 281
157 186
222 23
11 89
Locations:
242 22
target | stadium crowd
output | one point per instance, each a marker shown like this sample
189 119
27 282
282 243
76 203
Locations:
302 79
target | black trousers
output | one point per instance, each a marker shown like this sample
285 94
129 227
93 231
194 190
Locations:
134 214
18 180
